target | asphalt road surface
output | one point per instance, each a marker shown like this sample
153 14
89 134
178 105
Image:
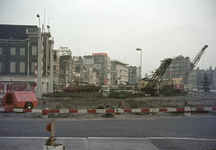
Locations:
197 132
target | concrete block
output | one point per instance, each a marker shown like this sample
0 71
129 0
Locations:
17 110
154 110
64 111
135 110
59 147
36 110
82 111
171 109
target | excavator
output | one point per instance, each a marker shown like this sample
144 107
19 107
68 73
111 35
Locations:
175 86
149 85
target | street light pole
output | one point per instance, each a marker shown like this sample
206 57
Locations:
28 40
39 19
139 49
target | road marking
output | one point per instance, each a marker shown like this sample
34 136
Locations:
178 138
118 138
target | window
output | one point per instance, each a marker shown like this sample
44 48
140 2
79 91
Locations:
13 50
22 67
1 50
0 66
34 50
22 51
12 67
33 67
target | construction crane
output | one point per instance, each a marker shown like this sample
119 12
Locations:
149 85
193 64
175 86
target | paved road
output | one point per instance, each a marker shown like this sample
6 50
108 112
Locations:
161 132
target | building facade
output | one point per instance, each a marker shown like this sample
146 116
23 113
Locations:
101 64
195 80
178 67
119 72
134 74
62 67
19 50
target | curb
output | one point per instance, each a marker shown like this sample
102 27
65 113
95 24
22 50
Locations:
117 110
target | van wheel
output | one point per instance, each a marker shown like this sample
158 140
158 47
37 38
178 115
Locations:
29 105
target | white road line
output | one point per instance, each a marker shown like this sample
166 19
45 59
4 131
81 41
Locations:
117 138
178 138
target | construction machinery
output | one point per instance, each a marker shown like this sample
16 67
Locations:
175 86
19 99
149 85
81 87
123 91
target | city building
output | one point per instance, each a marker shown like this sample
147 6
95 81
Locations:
62 67
134 74
178 67
197 76
119 72
20 46
101 64
76 68
214 79
193 80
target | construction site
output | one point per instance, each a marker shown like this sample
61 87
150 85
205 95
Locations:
150 92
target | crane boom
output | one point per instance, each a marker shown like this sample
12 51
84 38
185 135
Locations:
155 77
194 63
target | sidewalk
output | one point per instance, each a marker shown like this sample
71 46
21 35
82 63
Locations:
73 143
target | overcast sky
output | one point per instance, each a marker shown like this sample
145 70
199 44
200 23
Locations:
161 28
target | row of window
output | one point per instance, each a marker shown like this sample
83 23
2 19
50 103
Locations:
13 67
13 50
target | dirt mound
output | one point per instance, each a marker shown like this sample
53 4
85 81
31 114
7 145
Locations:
91 102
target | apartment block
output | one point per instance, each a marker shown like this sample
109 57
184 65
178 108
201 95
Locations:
178 67
101 64
119 72
19 54
134 74
62 67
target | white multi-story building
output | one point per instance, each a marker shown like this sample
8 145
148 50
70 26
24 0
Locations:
119 72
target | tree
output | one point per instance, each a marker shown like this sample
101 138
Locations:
206 83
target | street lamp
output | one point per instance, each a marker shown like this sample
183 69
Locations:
139 49
28 40
39 19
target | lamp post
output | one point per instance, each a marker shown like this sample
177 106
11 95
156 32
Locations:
39 64
139 49
39 19
28 40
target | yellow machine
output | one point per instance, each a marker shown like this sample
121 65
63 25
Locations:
153 91
149 85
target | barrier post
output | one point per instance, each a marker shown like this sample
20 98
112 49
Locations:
50 143
44 113
187 111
